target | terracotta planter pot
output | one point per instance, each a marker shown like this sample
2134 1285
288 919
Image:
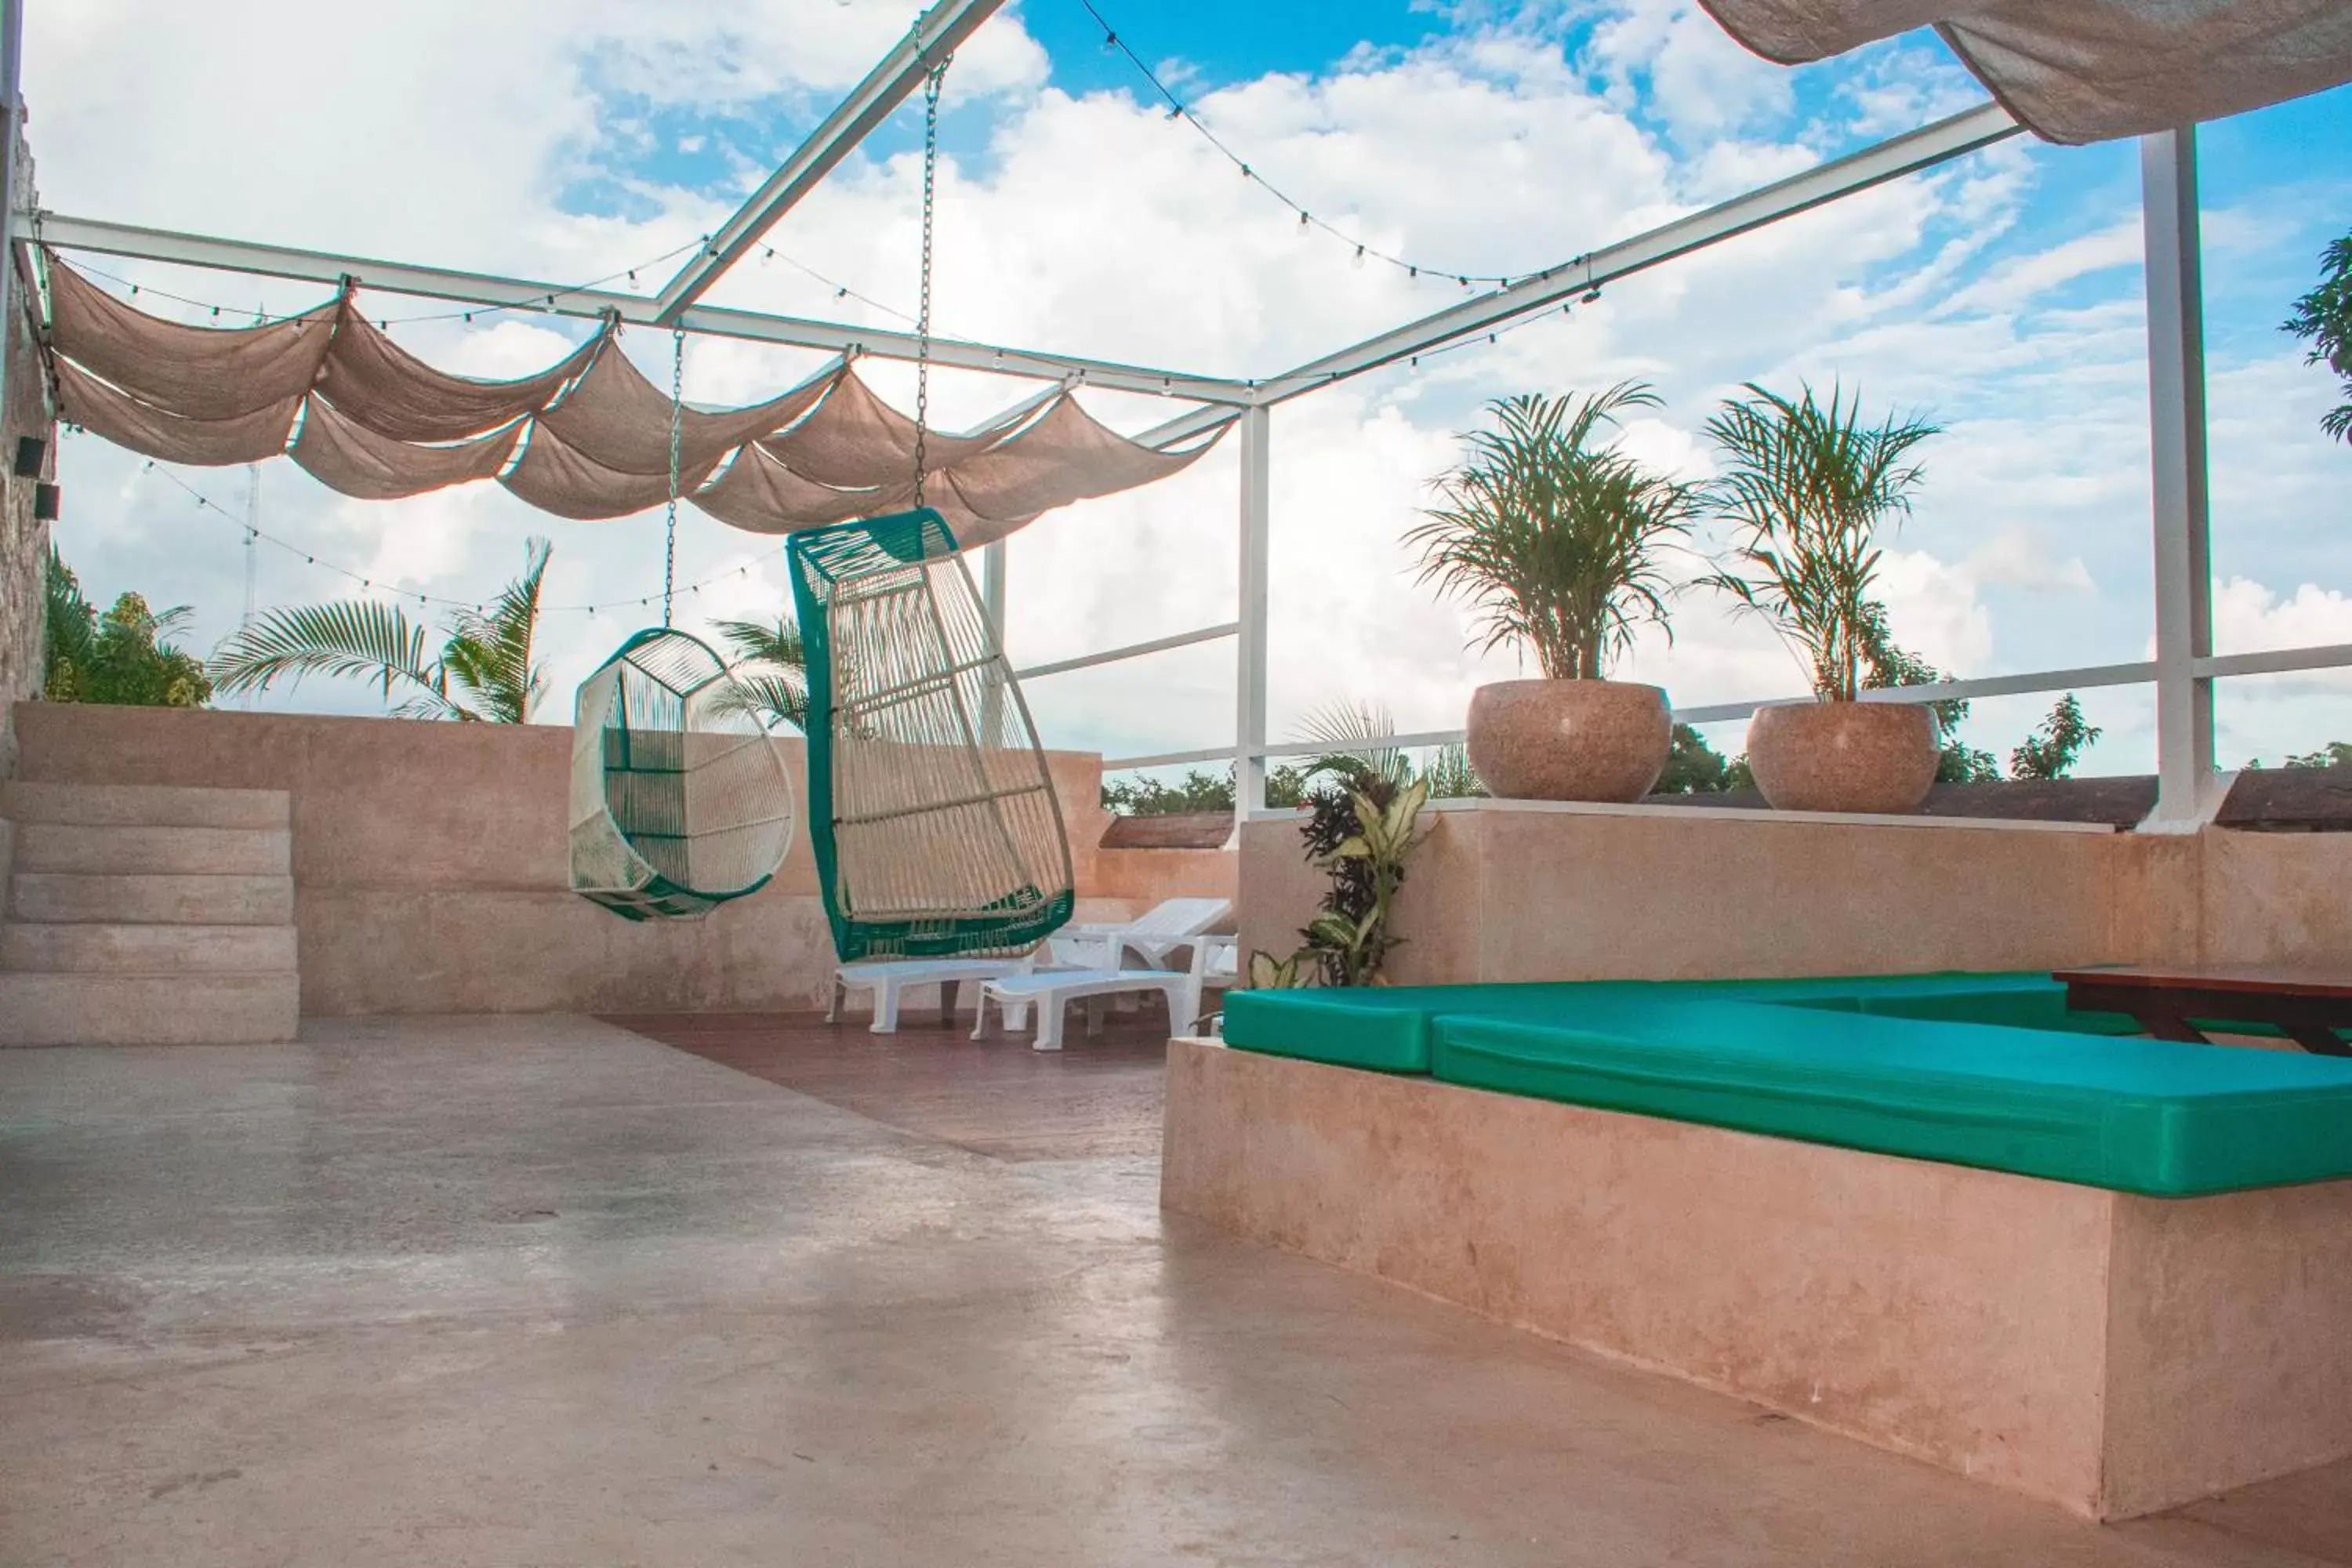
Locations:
1569 740
1843 756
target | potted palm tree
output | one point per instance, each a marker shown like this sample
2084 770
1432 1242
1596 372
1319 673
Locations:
1807 486
1560 542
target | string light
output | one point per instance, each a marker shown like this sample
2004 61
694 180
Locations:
1178 110
206 503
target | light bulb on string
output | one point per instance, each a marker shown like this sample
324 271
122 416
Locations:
1303 219
1360 259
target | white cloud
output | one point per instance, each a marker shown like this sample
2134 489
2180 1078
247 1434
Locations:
1093 224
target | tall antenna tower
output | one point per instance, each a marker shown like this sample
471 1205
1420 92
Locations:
252 542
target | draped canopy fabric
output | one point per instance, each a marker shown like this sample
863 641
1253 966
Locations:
588 438
2085 70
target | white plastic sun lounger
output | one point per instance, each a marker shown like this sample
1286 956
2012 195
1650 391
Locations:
1168 927
889 979
1051 990
1215 963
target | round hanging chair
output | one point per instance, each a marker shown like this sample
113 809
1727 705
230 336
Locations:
679 800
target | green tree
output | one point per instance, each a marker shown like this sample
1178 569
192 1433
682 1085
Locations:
1560 542
2324 318
2335 754
1886 665
1693 767
769 680
487 670
2051 751
120 657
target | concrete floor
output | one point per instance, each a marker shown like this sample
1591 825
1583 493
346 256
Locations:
541 1292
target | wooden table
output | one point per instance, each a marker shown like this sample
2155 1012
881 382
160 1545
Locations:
2308 1009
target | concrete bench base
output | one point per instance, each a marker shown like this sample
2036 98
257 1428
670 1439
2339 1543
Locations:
2111 1353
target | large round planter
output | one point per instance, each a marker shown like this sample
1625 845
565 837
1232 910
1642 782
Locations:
1875 757
1569 740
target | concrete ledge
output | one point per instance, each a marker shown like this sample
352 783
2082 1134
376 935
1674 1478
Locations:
2113 1354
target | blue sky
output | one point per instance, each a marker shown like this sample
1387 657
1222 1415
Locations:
2000 295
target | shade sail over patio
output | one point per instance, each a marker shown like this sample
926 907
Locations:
588 438
2085 70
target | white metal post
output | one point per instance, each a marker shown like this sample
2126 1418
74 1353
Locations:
1249 661
2176 386
992 605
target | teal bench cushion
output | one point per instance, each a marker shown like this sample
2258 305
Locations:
2141 1116
1387 1028
1383 1028
1972 1070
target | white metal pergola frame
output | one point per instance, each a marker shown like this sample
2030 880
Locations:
2183 671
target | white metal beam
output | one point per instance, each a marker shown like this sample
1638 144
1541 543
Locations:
936 35
2175 387
2332 656
490 290
1131 650
1909 153
1249 653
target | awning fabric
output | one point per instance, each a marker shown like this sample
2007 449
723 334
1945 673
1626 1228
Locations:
588 438
2085 70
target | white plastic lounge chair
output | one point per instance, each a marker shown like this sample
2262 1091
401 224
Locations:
1154 936
1217 966
1051 990
889 979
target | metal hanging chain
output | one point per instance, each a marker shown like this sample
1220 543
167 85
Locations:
931 85
677 426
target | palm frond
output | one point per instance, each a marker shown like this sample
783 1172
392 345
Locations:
772 699
490 656
1345 727
364 638
1561 543
1807 487
758 642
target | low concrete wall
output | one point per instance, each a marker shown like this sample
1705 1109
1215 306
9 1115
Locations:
1523 890
430 863
2113 1354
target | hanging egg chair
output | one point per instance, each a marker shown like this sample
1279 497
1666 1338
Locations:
932 817
679 802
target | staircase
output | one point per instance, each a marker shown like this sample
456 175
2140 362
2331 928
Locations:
145 916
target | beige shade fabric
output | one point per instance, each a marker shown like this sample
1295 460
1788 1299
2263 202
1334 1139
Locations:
374 382
760 495
2085 70
1065 455
623 419
592 432
196 373
555 476
151 432
350 458
853 440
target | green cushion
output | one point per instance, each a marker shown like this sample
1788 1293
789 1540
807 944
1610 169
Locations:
1383 1028
1972 1070
2141 1116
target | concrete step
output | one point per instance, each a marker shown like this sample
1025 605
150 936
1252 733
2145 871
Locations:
146 949
63 1009
144 806
70 898
210 851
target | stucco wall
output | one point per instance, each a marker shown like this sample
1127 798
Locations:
24 541
1507 891
430 861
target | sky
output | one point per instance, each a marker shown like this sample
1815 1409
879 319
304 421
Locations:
1999 296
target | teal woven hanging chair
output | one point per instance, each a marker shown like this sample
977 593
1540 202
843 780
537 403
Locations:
679 802
932 814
